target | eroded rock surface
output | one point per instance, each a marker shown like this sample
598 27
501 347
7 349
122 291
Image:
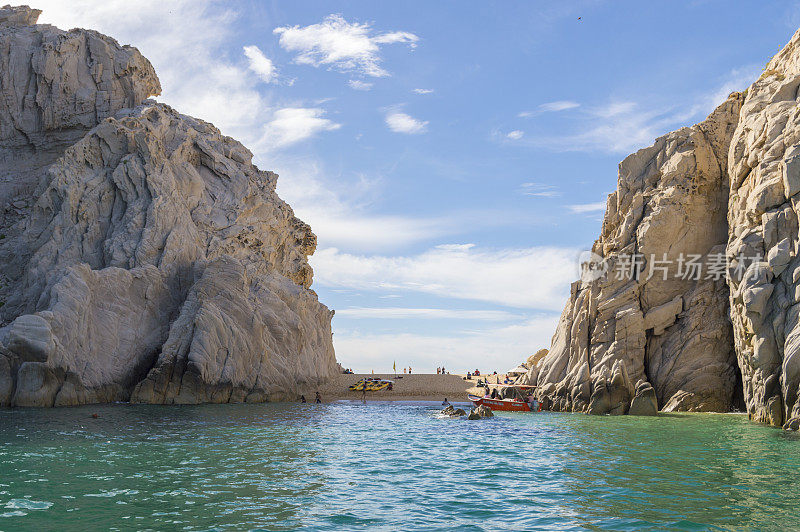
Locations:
145 257
763 241
743 161
650 319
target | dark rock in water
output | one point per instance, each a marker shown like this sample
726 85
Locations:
645 402
449 410
482 411
792 424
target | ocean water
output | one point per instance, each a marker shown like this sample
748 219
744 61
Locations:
389 466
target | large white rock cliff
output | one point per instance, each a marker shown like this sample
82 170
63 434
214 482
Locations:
765 292
727 185
631 326
145 257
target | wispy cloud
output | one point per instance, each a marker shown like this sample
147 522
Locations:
403 123
487 348
260 64
562 105
339 208
550 107
393 313
341 45
623 126
490 275
585 208
184 39
423 91
539 190
359 85
295 124
515 135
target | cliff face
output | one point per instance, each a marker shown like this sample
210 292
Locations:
145 257
727 190
763 242
649 318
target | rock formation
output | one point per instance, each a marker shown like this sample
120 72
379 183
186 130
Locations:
480 412
145 257
645 321
730 183
763 240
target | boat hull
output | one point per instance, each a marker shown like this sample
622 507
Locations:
503 405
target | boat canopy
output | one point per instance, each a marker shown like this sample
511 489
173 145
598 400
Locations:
519 370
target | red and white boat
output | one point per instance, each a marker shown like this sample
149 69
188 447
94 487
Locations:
505 405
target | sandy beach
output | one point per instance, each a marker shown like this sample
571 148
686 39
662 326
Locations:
414 387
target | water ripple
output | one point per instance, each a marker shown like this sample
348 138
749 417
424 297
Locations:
389 467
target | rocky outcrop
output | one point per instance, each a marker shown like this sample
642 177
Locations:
644 315
742 162
481 412
764 269
644 402
145 257
451 411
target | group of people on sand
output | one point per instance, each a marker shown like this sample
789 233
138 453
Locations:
317 399
409 370
441 371
477 373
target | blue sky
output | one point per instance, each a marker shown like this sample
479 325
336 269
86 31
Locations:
452 157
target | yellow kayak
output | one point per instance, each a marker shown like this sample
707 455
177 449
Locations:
371 385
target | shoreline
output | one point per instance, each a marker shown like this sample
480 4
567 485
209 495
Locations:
413 387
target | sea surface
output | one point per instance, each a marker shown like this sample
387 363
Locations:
389 466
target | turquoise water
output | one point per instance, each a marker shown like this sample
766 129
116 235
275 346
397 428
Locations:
389 466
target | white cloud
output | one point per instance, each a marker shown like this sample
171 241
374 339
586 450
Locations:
341 45
185 41
501 347
516 134
539 190
423 91
535 278
616 127
260 64
562 105
585 208
425 313
403 123
294 124
338 208
550 107
623 126
359 85
738 79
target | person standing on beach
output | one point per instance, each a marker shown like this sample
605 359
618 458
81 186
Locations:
318 398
